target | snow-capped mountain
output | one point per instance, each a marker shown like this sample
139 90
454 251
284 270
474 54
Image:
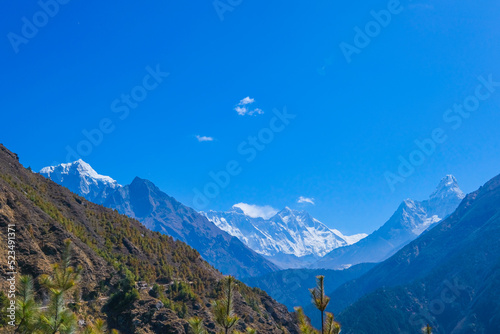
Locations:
445 199
410 220
159 212
284 238
82 179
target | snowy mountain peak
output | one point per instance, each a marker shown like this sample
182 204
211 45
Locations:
287 233
445 199
236 209
448 186
411 219
79 167
409 203
81 178
287 212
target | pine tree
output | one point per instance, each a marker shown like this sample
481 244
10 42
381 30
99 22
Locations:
332 327
98 327
197 325
26 307
249 331
304 326
319 299
223 308
58 318
223 312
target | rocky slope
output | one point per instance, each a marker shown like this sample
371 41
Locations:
159 212
110 246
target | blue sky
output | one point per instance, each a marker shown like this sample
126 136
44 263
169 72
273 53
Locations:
353 119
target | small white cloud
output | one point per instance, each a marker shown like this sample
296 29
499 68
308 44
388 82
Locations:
303 199
256 111
256 211
242 111
242 107
246 100
204 138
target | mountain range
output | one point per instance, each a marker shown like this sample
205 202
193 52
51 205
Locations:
159 212
138 280
411 219
438 259
449 277
291 238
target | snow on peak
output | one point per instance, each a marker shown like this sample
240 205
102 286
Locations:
410 203
79 167
288 231
235 209
350 239
81 178
448 186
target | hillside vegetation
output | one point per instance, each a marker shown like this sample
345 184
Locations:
137 280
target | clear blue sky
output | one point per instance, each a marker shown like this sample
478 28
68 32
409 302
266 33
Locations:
353 120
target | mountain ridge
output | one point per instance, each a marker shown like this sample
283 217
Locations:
411 219
455 265
113 248
290 238
160 212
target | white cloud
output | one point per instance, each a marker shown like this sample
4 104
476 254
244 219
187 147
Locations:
242 111
303 199
242 107
204 138
256 211
256 111
246 100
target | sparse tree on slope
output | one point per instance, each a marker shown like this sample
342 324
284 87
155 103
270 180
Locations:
304 326
331 326
223 312
197 325
319 299
26 306
58 318
223 308
98 327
